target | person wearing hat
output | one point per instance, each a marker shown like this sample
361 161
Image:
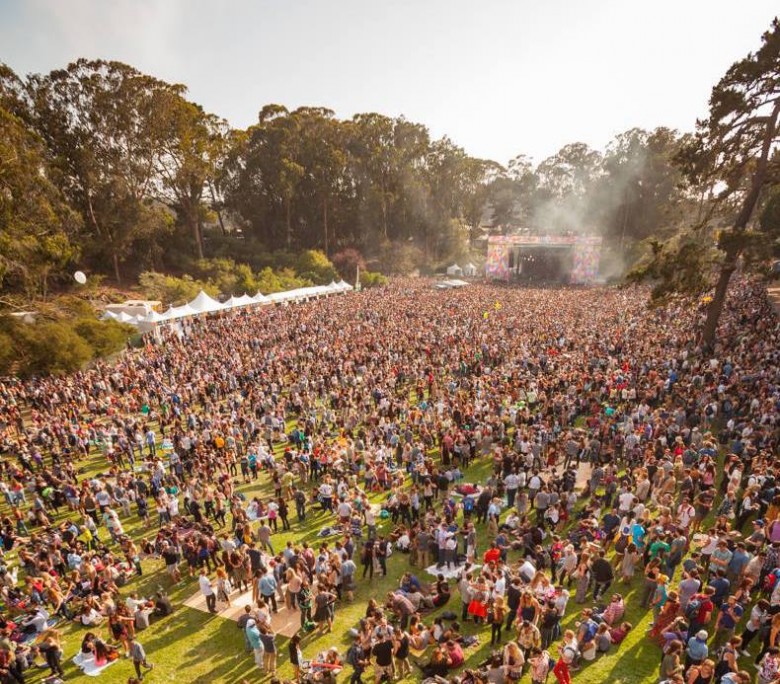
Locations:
696 651
252 633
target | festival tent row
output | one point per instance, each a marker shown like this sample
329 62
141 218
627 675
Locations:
204 304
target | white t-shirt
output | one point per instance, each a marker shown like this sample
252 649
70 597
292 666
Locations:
205 585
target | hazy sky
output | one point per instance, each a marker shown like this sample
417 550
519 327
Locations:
500 77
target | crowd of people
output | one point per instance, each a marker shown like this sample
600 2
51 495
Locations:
523 450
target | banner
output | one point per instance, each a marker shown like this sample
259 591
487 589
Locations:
497 264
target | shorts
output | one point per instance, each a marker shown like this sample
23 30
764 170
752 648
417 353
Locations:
380 670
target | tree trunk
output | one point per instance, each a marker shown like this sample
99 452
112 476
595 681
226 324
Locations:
384 213
718 300
115 258
195 227
740 224
288 220
216 206
325 225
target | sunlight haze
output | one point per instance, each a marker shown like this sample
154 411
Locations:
498 77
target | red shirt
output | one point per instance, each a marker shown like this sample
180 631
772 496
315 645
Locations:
492 556
561 672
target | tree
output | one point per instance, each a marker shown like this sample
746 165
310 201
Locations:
737 146
638 195
193 145
36 224
103 124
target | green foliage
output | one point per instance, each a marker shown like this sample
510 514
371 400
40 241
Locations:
401 258
36 224
269 281
369 279
172 290
105 337
680 265
313 265
226 276
50 347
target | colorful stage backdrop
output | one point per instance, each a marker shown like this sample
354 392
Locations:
585 257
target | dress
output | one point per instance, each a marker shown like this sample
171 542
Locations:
583 581
628 566
321 607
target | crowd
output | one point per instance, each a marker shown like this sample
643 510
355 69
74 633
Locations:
610 452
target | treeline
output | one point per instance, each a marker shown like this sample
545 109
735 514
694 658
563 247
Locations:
118 172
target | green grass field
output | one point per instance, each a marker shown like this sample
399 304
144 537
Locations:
194 646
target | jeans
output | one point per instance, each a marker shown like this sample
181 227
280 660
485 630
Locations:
211 603
272 600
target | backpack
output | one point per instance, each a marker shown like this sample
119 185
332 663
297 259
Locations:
590 632
352 656
693 608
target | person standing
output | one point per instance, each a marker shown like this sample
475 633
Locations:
138 654
264 535
255 642
208 591
266 587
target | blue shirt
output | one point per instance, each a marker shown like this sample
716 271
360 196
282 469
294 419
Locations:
267 585
697 649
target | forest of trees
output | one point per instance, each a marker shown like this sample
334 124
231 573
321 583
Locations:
117 173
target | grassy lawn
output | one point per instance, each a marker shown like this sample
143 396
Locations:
193 646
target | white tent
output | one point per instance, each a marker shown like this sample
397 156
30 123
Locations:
205 304
109 316
454 270
179 312
235 302
260 298
469 270
344 287
122 317
275 297
152 317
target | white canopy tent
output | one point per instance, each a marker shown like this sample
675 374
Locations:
179 312
234 302
205 304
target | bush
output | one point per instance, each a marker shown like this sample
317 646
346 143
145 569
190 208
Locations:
370 279
348 261
50 348
227 276
105 337
172 290
312 264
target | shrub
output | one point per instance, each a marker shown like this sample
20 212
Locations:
312 264
370 279
51 348
172 290
227 276
105 337
347 261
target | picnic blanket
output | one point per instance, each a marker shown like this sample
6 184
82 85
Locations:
449 572
87 664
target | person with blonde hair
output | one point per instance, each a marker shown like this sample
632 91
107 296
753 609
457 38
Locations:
513 661
496 617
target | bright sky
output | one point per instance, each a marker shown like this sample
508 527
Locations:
499 77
